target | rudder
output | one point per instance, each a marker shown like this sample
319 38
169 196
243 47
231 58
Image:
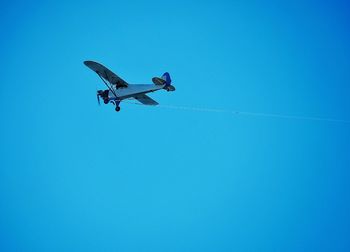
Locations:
166 77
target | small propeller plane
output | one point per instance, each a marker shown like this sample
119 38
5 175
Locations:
119 90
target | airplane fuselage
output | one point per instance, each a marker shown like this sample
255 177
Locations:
132 90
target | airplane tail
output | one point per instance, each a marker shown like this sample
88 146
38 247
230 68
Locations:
167 79
164 80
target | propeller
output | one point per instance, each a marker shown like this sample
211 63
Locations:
98 99
98 94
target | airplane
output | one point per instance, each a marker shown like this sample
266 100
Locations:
119 90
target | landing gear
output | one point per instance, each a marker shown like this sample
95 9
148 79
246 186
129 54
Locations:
117 108
105 101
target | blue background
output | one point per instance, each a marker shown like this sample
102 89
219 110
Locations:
78 177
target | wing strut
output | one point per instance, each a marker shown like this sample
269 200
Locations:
110 89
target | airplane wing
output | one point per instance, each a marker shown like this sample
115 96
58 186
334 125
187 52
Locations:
146 100
106 74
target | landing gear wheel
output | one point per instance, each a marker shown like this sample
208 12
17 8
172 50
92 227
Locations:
117 108
105 101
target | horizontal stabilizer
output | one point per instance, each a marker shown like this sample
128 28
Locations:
158 81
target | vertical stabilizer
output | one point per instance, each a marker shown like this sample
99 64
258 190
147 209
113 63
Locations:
166 77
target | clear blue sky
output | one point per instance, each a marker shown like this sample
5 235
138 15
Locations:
78 177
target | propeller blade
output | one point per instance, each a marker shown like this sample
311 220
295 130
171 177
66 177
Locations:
98 99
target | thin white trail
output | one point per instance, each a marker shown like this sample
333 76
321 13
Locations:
246 113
